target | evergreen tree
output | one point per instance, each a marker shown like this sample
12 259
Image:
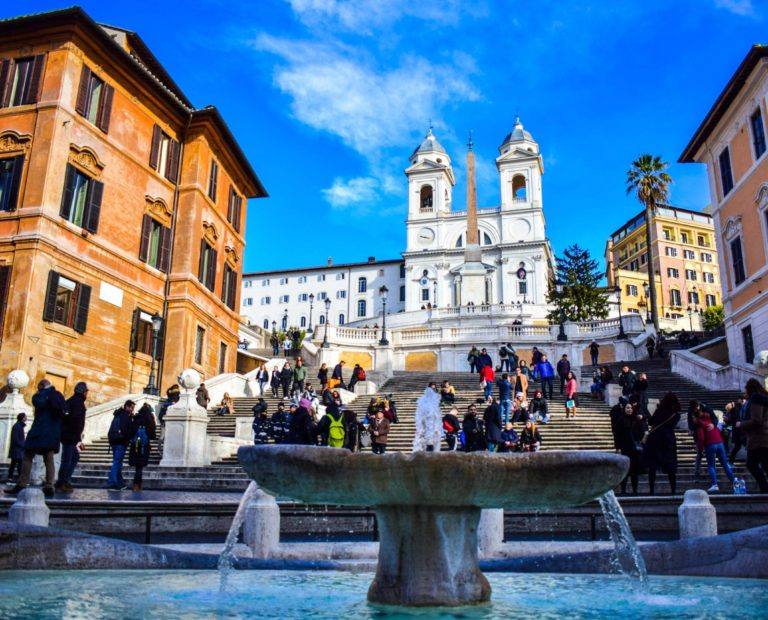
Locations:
582 297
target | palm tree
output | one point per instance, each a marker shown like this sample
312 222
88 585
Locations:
648 179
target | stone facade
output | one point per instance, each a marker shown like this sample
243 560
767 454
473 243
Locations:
109 153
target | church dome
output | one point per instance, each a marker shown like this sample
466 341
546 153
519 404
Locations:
518 134
429 145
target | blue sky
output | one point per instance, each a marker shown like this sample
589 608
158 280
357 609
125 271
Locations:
328 98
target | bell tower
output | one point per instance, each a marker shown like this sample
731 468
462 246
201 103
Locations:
430 180
520 169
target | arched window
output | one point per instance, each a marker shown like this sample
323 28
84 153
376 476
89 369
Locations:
519 189
322 319
460 241
265 323
362 285
303 321
484 237
487 239
402 293
341 319
361 308
425 198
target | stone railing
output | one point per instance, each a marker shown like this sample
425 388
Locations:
711 374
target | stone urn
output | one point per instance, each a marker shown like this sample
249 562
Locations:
190 379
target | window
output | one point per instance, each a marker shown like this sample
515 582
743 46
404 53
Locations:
643 258
522 287
632 290
321 277
155 244
708 277
20 80
634 265
668 235
711 300
425 198
341 319
669 251
672 272
362 285
265 323
322 296
402 270
684 237
726 176
164 154
460 242
702 241
66 302
265 282
487 239
689 255
303 321
361 308
265 301
5 286
322 319
213 178
341 276
693 298
303 297
737 260
248 301
381 273
706 257
222 357
674 298
758 133
199 342
341 294
690 274
749 345
283 281
518 188
229 286
81 199
402 293
206 269
94 99
425 294
247 283
141 332
284 299
302 279
235 210
10 180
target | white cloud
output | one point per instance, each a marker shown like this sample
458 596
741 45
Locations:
737 7
345 193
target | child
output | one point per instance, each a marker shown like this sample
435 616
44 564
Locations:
16 451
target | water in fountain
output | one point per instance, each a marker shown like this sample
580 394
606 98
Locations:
629 558
227 556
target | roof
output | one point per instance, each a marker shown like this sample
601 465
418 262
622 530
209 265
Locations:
518 134
255 274
755 55
641 216
429 144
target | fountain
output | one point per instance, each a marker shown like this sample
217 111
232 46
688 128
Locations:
428 504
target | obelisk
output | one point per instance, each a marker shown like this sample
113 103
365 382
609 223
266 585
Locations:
472 232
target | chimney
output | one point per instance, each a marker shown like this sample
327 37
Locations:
371 259
330 261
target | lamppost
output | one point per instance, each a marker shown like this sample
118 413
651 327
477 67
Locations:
285 320
326 344
157 325
311 305
383 290
622 334
646 290
561 336
690 317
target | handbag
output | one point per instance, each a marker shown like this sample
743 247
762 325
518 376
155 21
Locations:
650 430
570 404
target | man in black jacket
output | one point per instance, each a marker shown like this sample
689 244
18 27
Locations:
119 436
563 368
71 436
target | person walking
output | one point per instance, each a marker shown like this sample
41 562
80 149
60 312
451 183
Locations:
733 413
627 380
351 430
275 342
299 376
505 396
536 356
274 382
484 360
650 346
379 430
202 397
16 450
640 391
628 427
493 425
660 349
287 344
142 430
594 352
119 436
563 368
754 425
520 382
660 447
322 376
486 380
286 378
571 395
709 439
546 374
72 427
474 353
262 378
43 438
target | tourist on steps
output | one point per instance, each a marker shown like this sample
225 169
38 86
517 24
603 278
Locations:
594 352
525 370
563 368
539 410
281 423
452 428
43 437
520 408
628 427
694 408
262 378
546 375
16 450
337 375
733 413
447 393
286 378
142 430
509 439
72 426
274 382
493 425
627 380
571 395
530 438
650 346
640 391
536 357
472 356
299 376
486 380
710 440
755 426
331 428
504 358
484 359
521 382
358 374
261 425
474 439
226 406
660 447
202 397
301 428
351 430
505 396
379 430
119 436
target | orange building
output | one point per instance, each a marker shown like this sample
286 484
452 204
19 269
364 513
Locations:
119 201
731 141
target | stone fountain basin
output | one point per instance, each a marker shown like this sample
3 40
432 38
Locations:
525 481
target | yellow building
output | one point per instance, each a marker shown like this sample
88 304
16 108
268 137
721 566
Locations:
685 265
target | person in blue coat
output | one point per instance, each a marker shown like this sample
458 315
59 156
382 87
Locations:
546 374
44 436
16 451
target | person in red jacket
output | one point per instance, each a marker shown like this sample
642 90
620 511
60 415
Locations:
487 375
710 440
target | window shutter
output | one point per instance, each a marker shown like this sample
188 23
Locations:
172 172
165 249
105 107
93 210
212 184
81 312
13 194
211 276
201 262
134 330
231 205
238 212
36 83
82 91
146 229
6 75
69 189
154 152
5 284
50 296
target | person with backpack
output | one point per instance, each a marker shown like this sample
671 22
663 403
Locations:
16 451
514 360
358 374
452 428
142 429
379 430
331 428
472 356
72 427
504 357
119 436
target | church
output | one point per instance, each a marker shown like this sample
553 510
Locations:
497 256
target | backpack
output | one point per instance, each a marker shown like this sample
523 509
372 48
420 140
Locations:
503 351
115 434
336 432
139 448
361 375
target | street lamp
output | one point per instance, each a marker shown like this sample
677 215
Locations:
383 290
157 325
326 345
690 317
311 305
622 335
285 320
646 290
561 336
